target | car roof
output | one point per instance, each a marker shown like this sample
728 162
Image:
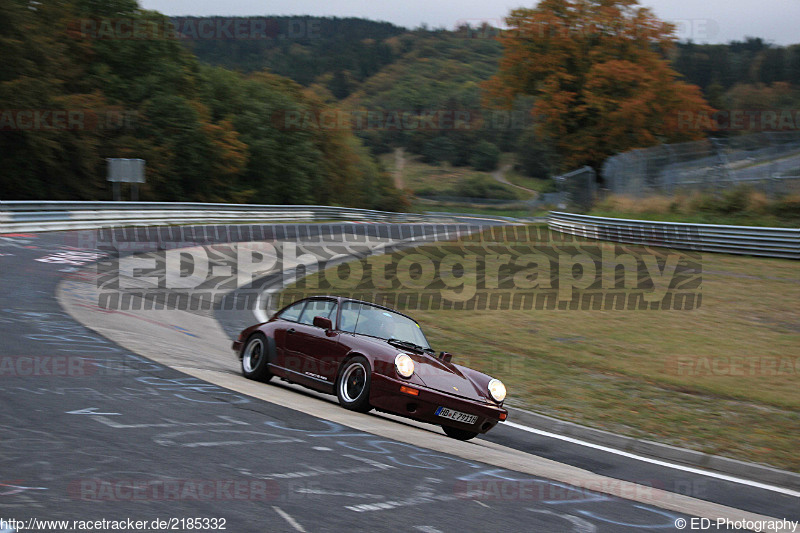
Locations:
342 299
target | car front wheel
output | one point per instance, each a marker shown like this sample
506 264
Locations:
255 358
352 387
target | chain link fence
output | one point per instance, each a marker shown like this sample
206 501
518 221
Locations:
577 188
769 162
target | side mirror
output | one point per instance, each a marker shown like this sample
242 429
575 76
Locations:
445 356
322 322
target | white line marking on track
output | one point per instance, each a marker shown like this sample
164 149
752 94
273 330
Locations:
90 411
658 462
292 522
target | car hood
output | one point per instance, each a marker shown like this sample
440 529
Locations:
444 377
432 372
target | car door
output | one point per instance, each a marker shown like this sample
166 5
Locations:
348 318
309 347
284 327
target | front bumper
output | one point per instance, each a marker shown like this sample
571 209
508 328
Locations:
385 395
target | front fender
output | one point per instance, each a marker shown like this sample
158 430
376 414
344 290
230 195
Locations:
380 364
479 380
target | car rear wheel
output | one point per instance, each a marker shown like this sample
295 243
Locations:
460 434
352 387
255 358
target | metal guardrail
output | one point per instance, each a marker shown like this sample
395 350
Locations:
65 215
747 240
60 215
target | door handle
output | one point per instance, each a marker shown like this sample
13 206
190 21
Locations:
290 331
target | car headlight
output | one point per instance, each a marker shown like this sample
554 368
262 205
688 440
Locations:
497 390
404 365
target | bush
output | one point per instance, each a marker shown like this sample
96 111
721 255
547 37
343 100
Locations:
426 191
437 150
478 187
734 200
703 203
787 207
485 156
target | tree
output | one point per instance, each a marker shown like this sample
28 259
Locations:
533 156
599 72
38 76
207 134
779 95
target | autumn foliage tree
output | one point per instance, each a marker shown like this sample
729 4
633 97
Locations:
207 134
600 75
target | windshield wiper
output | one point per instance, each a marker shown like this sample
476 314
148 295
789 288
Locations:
408 344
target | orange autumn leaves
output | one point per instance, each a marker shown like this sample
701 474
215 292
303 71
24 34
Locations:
599 75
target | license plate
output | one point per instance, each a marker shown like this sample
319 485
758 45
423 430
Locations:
458 416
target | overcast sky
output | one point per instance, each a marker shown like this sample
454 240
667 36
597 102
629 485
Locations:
712 21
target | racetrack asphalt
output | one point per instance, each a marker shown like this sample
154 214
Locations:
100 431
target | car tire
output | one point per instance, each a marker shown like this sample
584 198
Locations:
255 358
460 434
352 386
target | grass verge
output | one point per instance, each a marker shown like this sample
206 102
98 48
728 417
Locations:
619 370
446 180
740 206
422 206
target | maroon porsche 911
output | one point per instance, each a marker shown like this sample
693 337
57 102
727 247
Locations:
371 357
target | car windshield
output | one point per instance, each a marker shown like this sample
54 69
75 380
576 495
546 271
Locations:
365 319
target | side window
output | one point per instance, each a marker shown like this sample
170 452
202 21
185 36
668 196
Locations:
292 312
350 311
318 308
330 314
